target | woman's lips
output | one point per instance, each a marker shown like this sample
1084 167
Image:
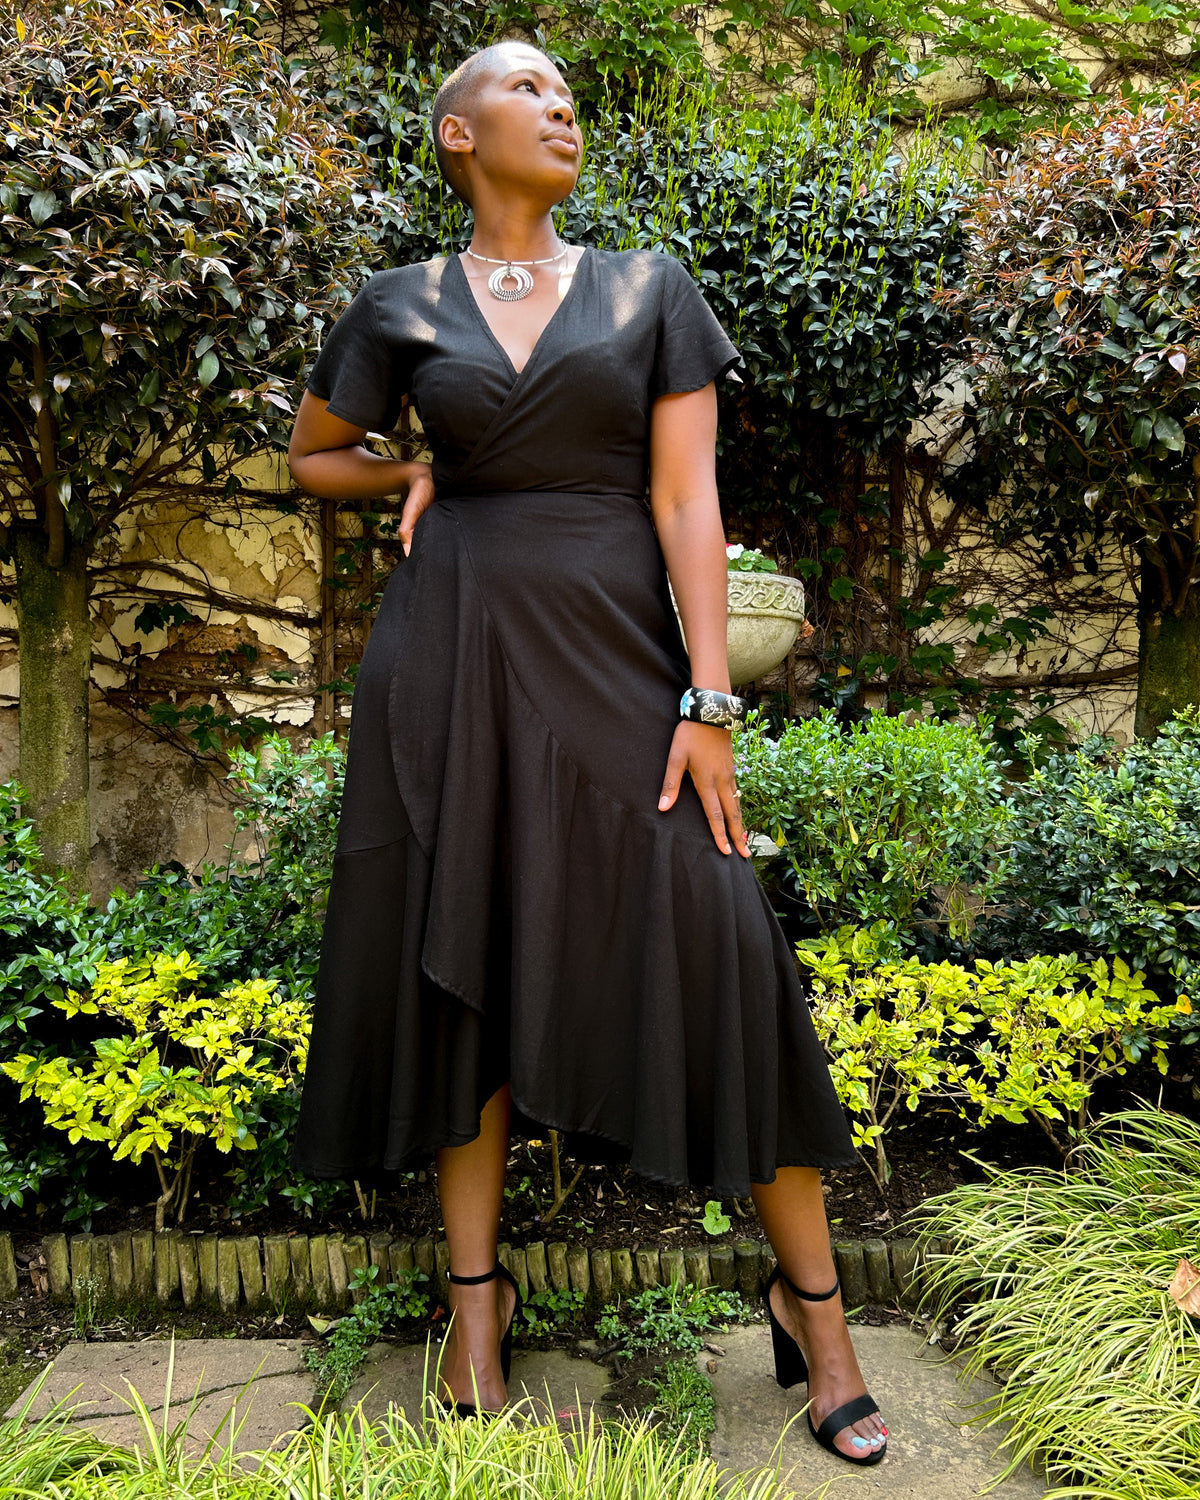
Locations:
564 144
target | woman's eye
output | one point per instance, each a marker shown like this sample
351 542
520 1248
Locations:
526 83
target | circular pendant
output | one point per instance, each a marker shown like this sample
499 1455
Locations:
517 274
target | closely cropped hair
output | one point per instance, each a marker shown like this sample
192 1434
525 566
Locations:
455 97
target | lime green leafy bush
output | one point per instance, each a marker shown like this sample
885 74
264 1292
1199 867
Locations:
884 820
1056 1026
888 1025
186 1066
1020 1041
243 918
1065 1277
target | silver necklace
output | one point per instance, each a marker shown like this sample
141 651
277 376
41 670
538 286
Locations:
514 271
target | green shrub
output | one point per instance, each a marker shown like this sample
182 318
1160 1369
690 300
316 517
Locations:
289 797
377 1307
1020 1041
678 1316
47 945
1104 858
884 820
259 916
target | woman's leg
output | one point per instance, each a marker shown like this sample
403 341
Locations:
792 1211
470 1183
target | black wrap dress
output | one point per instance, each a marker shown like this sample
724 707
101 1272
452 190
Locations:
508 904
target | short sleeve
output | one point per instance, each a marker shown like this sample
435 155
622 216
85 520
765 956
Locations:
356 373
693 348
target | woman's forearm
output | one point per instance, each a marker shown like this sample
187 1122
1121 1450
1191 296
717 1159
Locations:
693 544
349 473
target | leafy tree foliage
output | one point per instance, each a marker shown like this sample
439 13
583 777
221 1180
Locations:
1002 68
179 217
1083 305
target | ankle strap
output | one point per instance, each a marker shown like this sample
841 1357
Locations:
475 1280
812 1296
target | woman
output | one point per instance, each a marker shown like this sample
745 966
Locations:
532 925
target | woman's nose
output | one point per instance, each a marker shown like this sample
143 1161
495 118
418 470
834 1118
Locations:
563 112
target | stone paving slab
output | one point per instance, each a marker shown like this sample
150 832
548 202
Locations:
214 1371
932 1453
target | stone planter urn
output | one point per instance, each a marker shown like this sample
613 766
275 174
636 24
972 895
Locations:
766 611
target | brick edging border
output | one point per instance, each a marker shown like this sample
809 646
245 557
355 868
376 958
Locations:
312 1272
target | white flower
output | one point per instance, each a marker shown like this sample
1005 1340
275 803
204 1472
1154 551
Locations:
734 550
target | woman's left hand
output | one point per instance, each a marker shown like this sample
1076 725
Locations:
705 751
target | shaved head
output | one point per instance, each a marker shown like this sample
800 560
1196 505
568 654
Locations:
457 96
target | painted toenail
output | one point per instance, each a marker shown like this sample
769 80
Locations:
860 1442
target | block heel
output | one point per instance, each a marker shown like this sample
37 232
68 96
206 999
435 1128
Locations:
791 1368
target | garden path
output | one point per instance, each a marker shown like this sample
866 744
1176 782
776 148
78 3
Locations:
935 1455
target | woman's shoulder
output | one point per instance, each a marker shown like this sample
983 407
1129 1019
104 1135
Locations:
643 263
409 279
653 275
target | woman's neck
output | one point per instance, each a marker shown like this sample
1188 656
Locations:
506 232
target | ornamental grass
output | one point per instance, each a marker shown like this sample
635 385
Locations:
1073 1300
339 1455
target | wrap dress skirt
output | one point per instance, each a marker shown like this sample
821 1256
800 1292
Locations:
507 902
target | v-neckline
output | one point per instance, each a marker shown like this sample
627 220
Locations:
541 338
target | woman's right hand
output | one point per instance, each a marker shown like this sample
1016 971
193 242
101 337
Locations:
418 497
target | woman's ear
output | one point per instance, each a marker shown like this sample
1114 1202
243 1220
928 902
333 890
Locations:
455 131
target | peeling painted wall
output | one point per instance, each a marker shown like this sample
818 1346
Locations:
251 583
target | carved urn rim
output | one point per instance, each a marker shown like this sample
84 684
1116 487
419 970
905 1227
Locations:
766 594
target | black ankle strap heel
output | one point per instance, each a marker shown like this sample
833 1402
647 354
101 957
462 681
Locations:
812 1296
466 1408
475 1280
791 1368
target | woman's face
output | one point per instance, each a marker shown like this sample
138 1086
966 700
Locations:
522 127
